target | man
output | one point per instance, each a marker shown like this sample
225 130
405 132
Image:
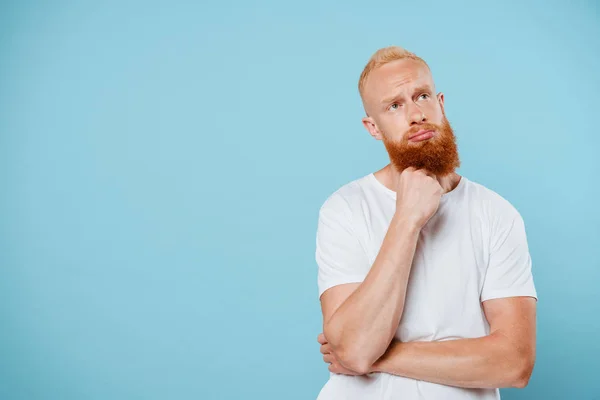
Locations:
424 276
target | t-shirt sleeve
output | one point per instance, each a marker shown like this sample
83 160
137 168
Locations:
339 254
509 267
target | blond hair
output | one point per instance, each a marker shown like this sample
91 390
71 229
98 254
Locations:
382 57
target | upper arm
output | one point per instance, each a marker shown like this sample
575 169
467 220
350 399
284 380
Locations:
509 267
508 294
514 318
342 260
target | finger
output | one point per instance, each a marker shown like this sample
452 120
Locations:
326 348
426 172
328 358
321 338
431 175
407 170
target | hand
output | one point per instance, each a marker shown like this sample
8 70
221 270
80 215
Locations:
418 195
329 357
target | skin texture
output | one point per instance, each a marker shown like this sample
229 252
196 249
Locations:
360 320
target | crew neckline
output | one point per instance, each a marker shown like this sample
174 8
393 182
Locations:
445 196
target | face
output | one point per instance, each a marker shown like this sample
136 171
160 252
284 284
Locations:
405 113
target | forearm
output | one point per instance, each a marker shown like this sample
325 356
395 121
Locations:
362 328
487 362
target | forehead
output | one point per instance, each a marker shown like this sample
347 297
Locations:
397 77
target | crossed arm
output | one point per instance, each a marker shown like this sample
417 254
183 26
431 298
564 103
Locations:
504 358
360 319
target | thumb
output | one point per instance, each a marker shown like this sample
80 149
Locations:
428 173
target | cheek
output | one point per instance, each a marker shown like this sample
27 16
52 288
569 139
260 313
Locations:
436 114
396 124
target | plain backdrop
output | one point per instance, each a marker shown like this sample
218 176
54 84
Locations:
162 165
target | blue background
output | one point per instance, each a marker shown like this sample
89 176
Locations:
162 165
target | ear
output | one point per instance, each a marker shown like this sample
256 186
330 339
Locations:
440 97
371 126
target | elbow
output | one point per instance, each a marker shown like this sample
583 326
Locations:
522 372
355 361
522 379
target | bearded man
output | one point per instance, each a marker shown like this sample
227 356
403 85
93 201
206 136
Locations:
424 276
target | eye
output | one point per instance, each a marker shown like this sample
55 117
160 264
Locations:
394 106
424 96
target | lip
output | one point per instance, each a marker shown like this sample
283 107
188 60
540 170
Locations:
421 135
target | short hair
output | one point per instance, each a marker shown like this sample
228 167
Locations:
383 56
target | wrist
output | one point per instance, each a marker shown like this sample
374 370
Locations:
410 225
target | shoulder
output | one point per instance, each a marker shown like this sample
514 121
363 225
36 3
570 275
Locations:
493 205
343 198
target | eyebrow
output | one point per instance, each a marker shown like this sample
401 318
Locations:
420 89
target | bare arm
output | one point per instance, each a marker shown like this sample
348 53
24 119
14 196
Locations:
359 320
505 358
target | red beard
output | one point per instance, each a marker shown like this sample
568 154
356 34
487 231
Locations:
438 155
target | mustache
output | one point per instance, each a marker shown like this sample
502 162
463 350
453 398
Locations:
422 127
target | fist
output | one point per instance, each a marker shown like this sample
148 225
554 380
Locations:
418 195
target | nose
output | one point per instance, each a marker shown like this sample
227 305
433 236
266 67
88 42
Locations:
417 116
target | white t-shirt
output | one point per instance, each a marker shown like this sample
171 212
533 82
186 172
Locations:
473 249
